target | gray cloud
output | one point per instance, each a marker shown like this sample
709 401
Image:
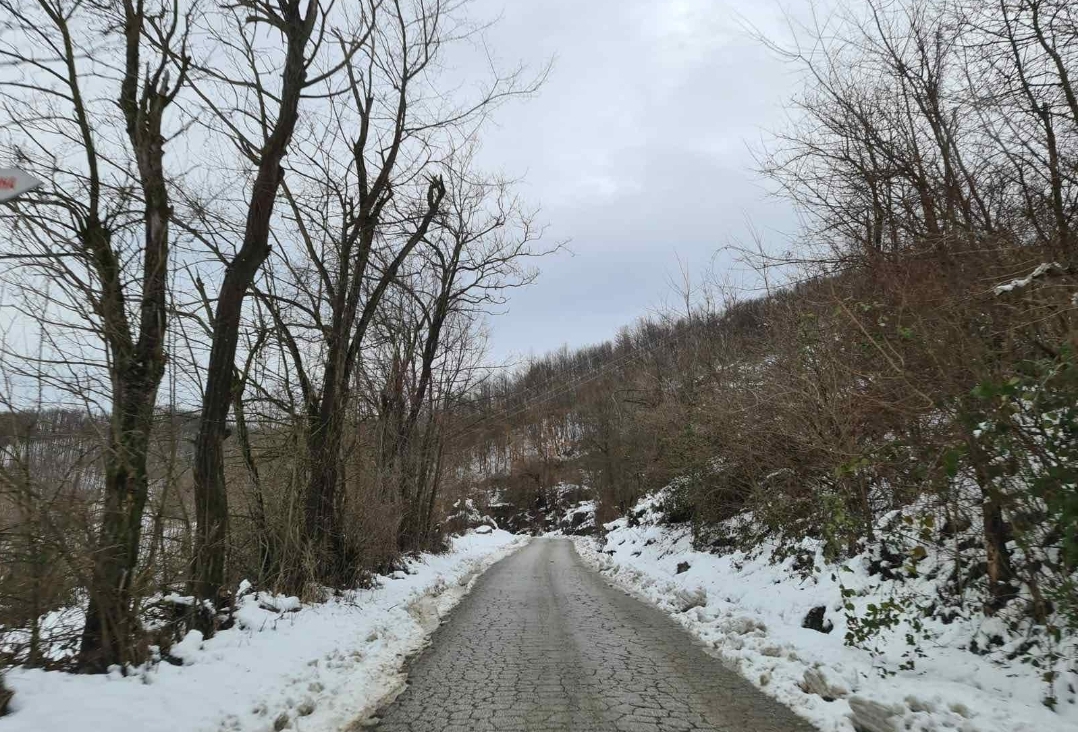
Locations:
637 149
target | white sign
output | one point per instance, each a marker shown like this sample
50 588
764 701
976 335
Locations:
14 183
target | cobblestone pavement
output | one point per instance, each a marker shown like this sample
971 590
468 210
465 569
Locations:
544 643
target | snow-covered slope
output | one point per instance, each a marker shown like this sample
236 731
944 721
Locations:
750 612
284 666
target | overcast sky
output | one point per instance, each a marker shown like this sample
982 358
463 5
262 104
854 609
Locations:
637 149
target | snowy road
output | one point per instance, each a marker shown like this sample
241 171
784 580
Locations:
544 643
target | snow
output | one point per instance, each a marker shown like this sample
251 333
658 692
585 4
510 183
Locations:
748 611
1040 271
316 667
576 518
587 521
467 514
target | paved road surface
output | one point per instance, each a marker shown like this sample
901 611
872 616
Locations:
544 643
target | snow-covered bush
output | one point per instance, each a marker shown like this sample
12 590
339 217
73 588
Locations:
464 516
1029 427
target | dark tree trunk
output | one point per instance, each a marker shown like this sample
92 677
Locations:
412 467
420 487
1001 589
211 498
325 435
325 432
137 367
995 534
432 497
109 634
267 545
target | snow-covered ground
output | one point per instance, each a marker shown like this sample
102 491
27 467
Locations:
284 666
749 611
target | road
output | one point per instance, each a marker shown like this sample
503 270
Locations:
545 643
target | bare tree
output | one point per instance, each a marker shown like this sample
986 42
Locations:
259 121
81 232
362 197
477 254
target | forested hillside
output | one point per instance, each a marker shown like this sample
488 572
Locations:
913 388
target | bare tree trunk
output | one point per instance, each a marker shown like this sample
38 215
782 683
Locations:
137 366
998 558
436 480
110 626
995 535
326 422
411 466
267 554
325 434
211 498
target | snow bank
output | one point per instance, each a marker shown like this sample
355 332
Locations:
284 666
749 612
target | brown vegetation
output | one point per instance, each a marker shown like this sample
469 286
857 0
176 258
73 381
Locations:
310 347
926 357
